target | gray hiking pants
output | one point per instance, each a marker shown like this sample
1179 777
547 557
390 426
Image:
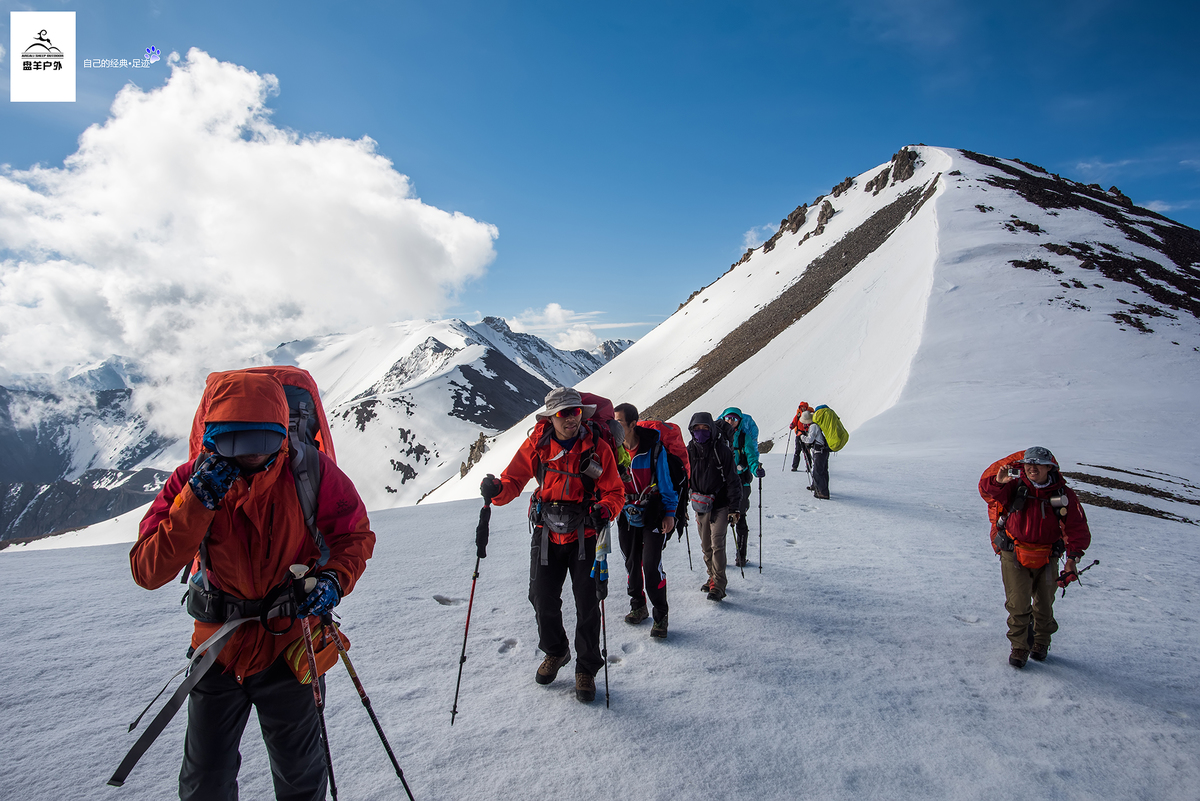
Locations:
712 526
1029 595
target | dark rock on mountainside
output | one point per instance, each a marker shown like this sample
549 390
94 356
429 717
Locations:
29 511
795 302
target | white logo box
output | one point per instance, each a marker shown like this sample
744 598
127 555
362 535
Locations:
42 56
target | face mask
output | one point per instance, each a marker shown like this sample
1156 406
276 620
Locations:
701 435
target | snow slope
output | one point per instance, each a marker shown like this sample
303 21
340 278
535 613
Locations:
867 660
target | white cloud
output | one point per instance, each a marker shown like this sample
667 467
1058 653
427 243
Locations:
191 234
1160 206
562 328
757 235
2 51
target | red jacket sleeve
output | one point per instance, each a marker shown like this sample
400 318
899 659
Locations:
342 520
514 478
170 533
609 486
1075 527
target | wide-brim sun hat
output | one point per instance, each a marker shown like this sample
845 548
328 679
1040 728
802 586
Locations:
564 398
1039 455
806 417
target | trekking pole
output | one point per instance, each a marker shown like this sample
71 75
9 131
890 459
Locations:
362 693
687 540
783 466
604 651
298 572
760 525
481 537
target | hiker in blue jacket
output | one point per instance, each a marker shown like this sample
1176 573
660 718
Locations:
815 439
647 520
743 436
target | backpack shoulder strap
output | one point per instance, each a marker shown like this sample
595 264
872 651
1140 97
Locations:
306 470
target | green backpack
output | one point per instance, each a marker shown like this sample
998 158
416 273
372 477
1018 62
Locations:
835 433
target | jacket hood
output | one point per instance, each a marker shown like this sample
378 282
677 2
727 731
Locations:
243 397
701 418
734 410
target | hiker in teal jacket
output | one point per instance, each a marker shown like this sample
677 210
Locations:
743 433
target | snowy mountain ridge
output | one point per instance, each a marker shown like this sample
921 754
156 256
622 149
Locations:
850 303
407 402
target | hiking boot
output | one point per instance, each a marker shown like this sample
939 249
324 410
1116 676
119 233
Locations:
706 586
739 561
637 615
585 688
1037 652
548 670
810 488
716 594
659 629
794 470
820 497
1018 657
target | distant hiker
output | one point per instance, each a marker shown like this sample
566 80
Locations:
743 436
814 440
802 448
648 519
1042 520
237 506
579 492
716 497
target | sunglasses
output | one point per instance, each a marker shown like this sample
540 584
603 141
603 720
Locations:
574 411
732 419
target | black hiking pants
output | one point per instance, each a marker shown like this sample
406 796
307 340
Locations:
802 450
741 533
545 593
820 472
218 708
642 548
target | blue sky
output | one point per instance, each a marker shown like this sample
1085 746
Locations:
624 150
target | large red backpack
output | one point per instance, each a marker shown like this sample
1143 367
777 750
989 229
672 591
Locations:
995 508
672 437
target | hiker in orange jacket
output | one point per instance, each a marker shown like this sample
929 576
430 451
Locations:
1042 520
801 428
237 505
579 493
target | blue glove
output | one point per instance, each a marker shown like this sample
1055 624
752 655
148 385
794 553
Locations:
323 597
760 472
212 478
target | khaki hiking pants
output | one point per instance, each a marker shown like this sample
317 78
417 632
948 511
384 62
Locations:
1029 595
712 527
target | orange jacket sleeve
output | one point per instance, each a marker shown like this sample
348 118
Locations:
342 519
170 533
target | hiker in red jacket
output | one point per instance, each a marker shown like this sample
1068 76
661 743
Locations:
801 428
1042 520
579 493
237 505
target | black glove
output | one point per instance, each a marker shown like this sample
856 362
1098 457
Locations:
211 479
490 487
600 516
760 472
